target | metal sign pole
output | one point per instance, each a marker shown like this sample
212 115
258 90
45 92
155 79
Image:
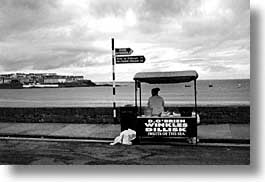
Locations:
118 59
113 81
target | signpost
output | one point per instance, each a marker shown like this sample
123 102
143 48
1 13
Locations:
119 57
113 80
123 51
130 59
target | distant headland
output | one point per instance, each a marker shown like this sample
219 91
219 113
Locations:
42 80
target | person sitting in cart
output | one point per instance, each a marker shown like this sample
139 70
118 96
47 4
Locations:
156 103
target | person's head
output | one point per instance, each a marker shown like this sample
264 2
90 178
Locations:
155 91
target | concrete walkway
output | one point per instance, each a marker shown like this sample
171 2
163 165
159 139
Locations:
231 132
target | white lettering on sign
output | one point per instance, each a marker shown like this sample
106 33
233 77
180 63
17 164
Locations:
166 127
166 134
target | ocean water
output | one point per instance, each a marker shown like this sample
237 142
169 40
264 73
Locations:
223 92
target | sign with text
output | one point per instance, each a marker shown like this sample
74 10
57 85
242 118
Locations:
123 51
168 127
130 59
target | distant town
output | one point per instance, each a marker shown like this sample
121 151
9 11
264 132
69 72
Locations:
42 80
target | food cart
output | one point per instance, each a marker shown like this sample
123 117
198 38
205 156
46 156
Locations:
183 124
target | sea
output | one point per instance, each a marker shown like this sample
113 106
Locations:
209 93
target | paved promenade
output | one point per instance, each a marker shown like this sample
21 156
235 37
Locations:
70 144
214 132
41 152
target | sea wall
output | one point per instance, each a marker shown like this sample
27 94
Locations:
208 115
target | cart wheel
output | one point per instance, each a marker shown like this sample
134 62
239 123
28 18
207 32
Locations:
193 140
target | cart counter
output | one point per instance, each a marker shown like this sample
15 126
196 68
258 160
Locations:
171 126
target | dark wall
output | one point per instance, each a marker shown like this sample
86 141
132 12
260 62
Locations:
223 114
208 115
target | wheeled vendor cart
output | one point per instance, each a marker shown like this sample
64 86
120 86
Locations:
181 125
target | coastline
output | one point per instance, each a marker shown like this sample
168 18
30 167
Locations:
43 86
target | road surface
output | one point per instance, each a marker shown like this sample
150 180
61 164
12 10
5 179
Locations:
64 153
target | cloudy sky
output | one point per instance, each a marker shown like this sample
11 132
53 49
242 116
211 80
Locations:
73 37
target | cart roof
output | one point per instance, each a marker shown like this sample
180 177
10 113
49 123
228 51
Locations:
166 77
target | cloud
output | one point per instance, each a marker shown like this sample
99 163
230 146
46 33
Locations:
25 15
50 56
159 10
63 35
104 8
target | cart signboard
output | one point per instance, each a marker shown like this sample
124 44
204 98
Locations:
167 127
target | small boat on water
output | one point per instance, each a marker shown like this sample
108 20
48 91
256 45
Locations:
187 85
41 86
210 85
239 85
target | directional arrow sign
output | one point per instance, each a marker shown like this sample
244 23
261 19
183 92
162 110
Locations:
130 59
123 51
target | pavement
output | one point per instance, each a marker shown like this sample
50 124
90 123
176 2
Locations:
42 152
212 133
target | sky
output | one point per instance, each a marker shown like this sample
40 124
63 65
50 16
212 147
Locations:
73 37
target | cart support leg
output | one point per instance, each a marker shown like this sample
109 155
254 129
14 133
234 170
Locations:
135 95
196 140
140 97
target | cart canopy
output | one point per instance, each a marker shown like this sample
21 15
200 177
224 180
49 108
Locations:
166 77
